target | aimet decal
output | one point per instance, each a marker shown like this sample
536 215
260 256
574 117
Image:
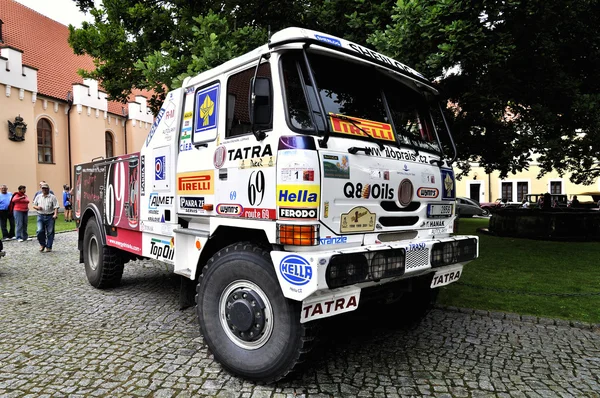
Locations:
296 270
156 200
425 192
298 195
381 131
196 182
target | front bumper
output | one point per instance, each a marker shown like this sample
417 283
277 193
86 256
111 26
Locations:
301 274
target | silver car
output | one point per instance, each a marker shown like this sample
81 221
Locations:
466 207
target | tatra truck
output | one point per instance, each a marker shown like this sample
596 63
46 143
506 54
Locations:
296 182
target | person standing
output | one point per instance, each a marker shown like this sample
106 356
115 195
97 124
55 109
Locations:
20 203
40 191
67 203
47 206
5 214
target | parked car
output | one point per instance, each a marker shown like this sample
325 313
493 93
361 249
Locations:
489 207
558 200
466 207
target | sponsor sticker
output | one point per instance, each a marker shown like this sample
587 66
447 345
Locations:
259 214
190 202
207 109
162 249
170 114
433 224
296 174
196 182
155 125
267 161
187 115
379 130
159 168
219 156
333 240
295 270
448 184
368 191
329 40
157 200
426 192
336 166
298 195
285 212
359 219
250 152
230 209
329 305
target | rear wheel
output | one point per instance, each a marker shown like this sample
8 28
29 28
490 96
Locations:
250 328
486 212
103 265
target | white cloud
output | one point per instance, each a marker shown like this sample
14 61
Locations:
63 11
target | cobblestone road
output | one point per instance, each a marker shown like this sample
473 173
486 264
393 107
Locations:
61 337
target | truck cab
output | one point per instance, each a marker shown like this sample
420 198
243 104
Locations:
287 185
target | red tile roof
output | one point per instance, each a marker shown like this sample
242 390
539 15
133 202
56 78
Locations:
45 47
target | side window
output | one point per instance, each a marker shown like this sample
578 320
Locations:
238 95
108 143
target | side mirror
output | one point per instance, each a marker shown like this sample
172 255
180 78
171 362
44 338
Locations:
261 103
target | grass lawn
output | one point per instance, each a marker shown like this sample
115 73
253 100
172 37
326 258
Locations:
533 266
59 225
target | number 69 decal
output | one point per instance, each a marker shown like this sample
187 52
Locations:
256 188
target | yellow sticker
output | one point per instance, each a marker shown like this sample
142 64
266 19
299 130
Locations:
298 195
196 182
359 219
187 115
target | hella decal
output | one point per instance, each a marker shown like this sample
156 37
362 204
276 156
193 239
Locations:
230 209
301 195
425 192
296 270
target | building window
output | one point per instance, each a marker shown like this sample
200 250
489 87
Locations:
44 138
507 191
522 190
238 93
108 141
555 186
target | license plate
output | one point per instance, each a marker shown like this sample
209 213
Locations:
434 210
446 277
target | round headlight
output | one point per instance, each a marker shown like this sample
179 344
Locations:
378 265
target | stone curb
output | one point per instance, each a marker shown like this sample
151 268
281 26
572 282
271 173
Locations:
595 327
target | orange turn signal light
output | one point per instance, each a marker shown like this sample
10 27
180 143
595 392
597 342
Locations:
298 235
208 207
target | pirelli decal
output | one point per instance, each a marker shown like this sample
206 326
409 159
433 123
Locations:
381 131
196 182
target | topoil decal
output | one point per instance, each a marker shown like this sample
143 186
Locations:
296 270
425 192
162 249
298 195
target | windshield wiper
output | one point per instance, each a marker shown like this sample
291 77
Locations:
355 124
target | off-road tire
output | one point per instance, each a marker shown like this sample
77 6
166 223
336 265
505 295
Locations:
103 265
289 341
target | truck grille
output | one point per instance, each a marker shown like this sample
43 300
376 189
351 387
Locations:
417 258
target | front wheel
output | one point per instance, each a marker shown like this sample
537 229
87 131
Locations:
247 323
486 212
103 265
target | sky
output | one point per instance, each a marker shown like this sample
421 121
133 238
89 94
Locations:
63 11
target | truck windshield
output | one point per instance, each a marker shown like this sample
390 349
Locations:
370 101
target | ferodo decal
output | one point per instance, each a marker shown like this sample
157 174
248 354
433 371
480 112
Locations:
219 156
381 131
359 219
250 152
298 195
196 182
336 166
230 209
285 212
368 191
296 270
425 192
448 185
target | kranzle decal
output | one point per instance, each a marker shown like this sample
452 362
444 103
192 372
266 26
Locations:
425 192
296 270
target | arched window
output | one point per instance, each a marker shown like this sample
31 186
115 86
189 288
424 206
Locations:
108 140
44 139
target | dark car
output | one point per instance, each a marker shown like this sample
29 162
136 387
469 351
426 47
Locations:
466 207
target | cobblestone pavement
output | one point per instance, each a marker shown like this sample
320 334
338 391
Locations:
61 337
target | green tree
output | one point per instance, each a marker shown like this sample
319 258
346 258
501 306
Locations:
525 77
154 44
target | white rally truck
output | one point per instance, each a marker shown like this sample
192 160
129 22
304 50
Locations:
290 184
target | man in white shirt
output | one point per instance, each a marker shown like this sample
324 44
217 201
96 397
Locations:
47 206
